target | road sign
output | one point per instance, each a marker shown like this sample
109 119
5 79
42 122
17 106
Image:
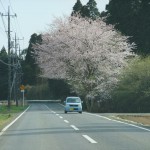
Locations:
22 87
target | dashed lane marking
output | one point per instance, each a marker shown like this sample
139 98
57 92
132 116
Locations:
66 121
89 139
74 127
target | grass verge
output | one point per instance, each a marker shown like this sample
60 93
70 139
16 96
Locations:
7 116
140 119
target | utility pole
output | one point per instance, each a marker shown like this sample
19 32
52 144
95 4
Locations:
19 45
9 59
16 69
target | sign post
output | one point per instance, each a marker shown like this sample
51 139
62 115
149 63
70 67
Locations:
22 87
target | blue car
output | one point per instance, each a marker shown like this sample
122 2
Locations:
73 104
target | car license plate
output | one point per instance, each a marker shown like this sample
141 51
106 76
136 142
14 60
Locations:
71 109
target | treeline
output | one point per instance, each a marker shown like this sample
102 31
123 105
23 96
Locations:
3 74
131 18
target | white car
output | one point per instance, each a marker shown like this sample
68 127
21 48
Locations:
73 104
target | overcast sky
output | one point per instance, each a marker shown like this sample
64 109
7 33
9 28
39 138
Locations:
33 16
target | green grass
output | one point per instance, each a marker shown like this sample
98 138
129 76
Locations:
13 109
7 116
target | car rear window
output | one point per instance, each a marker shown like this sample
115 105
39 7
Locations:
73 100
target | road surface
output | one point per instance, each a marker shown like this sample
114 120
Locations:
46 127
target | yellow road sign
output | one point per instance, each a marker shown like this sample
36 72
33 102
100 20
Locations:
22 87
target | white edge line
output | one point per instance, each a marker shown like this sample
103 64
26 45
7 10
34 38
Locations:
74 127
119 121
4 129
132 125
98 116
89 139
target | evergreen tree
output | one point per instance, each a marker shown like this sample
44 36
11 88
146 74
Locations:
30 68
3 74
3 52
131 17
142 35
77 8
90 10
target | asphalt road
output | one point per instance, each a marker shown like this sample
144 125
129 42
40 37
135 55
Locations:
46 127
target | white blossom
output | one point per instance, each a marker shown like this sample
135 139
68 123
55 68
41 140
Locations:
88 54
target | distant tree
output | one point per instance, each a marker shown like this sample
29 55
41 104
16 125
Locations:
59 89
90 10
77 8
142 35
3 52
3 74
88 54
131 17
30 68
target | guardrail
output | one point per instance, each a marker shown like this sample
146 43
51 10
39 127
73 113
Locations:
41 101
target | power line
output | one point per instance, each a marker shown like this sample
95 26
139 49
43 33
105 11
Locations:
11 7
3 6
2 31
16 26
4 23
19 27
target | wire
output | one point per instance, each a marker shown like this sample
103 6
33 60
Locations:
2 31
11 7
5 63
16 25
4 25
3 6
19 27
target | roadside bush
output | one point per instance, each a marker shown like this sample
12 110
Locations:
133 91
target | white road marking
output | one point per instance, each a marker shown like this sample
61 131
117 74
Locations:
118 121
98 116
4 129
57 114
60 117
89 139
74 127
47 107
53 112
66 121
132 125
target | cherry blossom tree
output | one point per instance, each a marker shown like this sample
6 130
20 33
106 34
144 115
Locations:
88 54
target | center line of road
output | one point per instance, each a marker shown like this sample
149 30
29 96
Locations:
74 127
89 139
66 121
60 117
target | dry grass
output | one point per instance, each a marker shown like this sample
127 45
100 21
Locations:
145 120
